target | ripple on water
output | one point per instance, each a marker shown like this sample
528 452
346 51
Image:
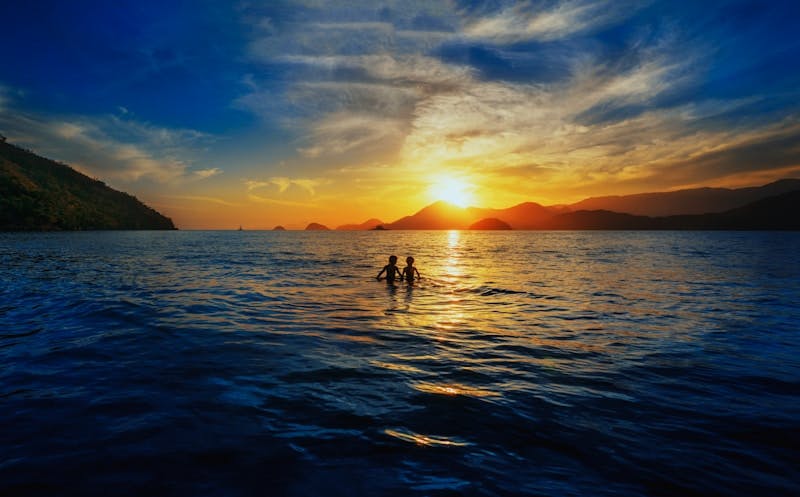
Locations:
523 363
424 440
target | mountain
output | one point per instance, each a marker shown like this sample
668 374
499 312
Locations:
279 228
39 194
316 227
444 216
490 223
527 215
366 225
693 201
437 216
597 220
642 211
778 212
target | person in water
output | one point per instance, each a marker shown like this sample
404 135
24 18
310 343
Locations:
390 269
409 270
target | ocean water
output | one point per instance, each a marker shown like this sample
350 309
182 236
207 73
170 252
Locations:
523 363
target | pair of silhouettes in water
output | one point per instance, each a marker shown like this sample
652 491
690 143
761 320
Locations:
391 270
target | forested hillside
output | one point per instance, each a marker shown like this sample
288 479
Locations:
40 194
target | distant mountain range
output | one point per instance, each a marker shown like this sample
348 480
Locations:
772 206
442 215
779 212
693 201
366 225
39 194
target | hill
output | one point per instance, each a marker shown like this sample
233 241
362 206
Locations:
437 216
39 194
778 212
316 227
527 215
442 215
684 209
490 223
366 225
597 220
692 201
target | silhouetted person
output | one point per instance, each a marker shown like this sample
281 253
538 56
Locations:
409 270
390 270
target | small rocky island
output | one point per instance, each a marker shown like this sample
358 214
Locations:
490 223
38 194
316 227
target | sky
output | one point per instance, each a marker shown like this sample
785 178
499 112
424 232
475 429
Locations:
259 113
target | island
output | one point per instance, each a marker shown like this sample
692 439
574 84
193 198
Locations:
490 223
316 227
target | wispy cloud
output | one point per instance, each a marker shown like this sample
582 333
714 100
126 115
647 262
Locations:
549 134
109 147
283 184
530 21
204 199
275 201
206 173
343 132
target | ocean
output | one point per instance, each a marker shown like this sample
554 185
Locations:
523 363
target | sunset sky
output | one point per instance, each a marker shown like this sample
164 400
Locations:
286 112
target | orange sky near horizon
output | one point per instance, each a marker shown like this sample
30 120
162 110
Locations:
333 205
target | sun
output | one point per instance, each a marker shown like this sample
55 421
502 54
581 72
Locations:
452 190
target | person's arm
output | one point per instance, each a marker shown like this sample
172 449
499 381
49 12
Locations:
379 274
418 276
401 273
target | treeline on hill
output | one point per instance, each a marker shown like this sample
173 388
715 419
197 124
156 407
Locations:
40 194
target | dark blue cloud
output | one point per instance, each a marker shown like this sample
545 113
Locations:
538 63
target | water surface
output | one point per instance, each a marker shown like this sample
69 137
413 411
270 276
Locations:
524 363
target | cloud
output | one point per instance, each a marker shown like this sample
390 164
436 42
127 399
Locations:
196 198
283 184
287 203
410 68
108 147
343 132
747 154
432 96
381 84
352 84
526 21
206 173
548 133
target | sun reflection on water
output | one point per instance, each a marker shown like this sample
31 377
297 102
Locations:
453 237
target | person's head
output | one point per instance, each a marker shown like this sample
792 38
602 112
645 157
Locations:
410 261
392 259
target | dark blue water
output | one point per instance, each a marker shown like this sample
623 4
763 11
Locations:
524 363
